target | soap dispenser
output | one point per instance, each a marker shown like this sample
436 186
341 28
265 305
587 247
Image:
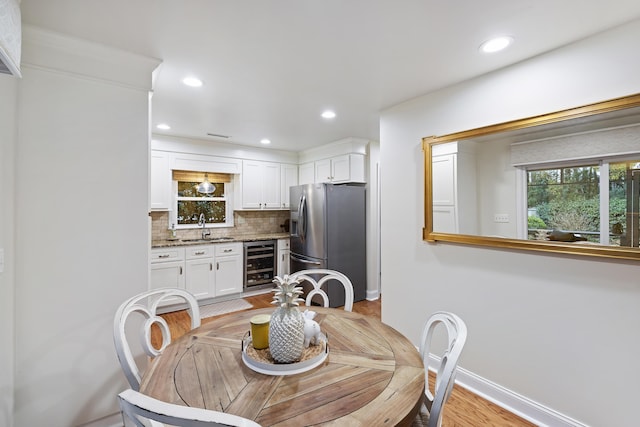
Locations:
173 231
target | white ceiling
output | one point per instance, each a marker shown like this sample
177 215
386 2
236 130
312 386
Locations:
270 67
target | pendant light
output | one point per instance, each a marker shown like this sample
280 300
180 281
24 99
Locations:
205 186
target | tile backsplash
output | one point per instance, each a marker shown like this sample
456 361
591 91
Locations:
245 223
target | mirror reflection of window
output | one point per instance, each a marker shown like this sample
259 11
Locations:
564 199
569 203
521 175
624 203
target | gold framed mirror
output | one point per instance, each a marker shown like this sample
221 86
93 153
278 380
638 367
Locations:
553 183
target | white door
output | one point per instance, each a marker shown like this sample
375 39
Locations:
160 181
200 277
167 275
340 169
323 171
228 273
270 185
306 173
251 184
288 178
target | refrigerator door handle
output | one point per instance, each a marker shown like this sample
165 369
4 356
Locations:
302 218
303 260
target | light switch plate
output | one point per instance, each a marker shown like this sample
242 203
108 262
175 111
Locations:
501 217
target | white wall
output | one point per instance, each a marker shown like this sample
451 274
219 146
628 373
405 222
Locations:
8 99
560 330
81 223
496 181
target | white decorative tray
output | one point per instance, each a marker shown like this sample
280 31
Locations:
262 362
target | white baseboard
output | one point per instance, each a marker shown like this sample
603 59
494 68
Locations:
513 402
372 295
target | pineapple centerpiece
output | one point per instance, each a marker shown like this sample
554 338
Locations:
286 329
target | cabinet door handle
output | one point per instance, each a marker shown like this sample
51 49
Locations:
210 267
200 253
217 266
228 250
164 256
181 270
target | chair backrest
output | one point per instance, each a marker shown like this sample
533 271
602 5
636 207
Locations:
323 276
446 369
146 304
138 407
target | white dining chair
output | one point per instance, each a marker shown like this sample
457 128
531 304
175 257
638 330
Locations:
146 305
317 277
430 414
138 407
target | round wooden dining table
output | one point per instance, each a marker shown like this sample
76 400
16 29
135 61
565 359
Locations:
373 376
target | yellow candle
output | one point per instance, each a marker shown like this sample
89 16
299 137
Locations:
260 331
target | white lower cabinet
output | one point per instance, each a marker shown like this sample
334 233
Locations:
283 257
167 270
200 276
207 271
228 268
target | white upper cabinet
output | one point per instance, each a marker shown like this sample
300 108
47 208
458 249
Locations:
260 185
288 178
160 181
306 173
340 169
257 184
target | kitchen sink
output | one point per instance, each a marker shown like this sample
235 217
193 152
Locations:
212 239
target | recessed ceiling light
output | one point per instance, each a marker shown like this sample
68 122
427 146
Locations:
163 126
496 44
192 81
328 114
265 141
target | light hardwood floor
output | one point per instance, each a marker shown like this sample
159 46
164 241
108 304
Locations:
464 408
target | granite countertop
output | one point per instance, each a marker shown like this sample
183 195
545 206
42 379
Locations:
226 239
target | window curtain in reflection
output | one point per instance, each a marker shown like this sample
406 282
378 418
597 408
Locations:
608 143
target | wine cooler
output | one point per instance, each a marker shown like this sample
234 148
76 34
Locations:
259 264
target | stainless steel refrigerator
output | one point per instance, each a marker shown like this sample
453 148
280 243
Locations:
328 230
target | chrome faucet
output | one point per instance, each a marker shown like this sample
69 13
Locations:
202 223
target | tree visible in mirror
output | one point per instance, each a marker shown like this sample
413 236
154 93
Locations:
568 200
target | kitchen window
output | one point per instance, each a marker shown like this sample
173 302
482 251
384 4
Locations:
593 202
190 204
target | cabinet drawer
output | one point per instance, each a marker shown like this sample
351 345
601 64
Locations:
283 244
227 249
167 254
195 252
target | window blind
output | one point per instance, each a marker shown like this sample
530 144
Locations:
192 176
599 144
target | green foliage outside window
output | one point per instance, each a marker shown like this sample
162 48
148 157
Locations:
191 204
568 199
